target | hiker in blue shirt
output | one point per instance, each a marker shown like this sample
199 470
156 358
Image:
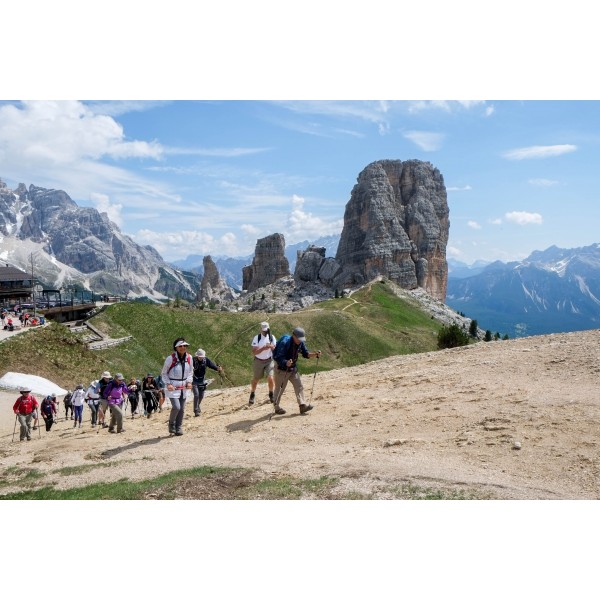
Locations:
286 355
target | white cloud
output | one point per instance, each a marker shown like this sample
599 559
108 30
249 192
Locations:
539 151
524 218
543 182
428 141
495 221
489 111
302 225
214 152
173 245
474 225
445 105
102 204
453 251
250 229
465 188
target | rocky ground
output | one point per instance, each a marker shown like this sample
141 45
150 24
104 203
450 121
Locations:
515 419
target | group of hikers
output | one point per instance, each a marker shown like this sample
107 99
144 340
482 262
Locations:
181 373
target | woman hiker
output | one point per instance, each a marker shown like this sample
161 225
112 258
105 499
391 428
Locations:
177 374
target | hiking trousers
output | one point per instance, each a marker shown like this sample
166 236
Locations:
116 417
49 420
178 409
198 389
281 381
25 422
93 411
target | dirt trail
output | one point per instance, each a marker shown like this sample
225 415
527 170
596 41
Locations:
513 419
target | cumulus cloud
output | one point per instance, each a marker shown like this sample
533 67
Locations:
474 225
539 151
174 245
102 204
523 218
428 141
543 182
453 252
496 221
303 225
63 132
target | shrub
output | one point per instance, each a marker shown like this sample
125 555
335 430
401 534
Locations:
452 336
473 328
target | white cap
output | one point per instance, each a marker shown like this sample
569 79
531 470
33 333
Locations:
200 352
181 343
264 326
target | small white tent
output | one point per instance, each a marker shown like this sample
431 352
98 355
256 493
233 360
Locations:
38 385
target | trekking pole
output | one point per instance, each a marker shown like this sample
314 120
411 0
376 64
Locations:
314 377
15 427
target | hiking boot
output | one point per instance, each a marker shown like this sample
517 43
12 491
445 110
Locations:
28 438
111 430
179 431
271 397
34 427
304 408
251 401
279 410
171 427
197 414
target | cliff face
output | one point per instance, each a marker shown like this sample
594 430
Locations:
268 265
78 244
396 225
213 287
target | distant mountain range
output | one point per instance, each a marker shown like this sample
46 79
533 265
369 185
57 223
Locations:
230 268
551 291
66 245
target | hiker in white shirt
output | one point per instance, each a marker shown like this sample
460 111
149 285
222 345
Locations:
263 345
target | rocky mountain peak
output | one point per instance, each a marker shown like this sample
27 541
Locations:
396 224
268 265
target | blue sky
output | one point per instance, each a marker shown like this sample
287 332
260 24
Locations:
211 177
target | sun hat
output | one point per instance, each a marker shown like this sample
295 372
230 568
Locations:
53 396
264 326
299 333
200 352
105 374
25 390
79 386
119 376
180 342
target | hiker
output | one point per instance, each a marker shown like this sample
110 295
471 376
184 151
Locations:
263 345
104 380
286 355
77 400
93 400
134 394
68 405
150 394
200 362
177 374
48 410
24 407
114 394
36 419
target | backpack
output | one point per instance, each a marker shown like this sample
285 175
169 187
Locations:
280 347
175 360
270 338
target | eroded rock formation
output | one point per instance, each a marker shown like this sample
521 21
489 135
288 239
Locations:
396 225
268 265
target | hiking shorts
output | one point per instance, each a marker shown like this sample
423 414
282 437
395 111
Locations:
263 367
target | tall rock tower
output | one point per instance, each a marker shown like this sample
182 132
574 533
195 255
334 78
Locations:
396 224
268 265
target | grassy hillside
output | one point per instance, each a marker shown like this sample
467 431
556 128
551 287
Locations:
374 323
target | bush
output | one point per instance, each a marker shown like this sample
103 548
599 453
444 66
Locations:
473 328
452 336
488 336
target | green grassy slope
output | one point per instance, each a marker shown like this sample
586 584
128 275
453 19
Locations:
374 323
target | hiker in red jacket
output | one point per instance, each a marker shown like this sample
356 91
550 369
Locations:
24 407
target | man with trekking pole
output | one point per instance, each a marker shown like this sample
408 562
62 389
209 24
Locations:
286 356
24 408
